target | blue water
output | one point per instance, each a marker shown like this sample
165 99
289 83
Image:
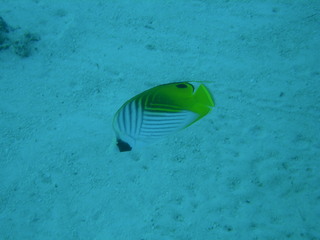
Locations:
248 170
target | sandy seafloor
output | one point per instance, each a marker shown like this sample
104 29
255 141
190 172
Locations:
249 170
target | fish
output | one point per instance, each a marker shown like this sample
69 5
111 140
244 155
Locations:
160 111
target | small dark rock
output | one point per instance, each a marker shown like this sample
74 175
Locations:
31 37
21 44
150 47
22 48
4 27
4 42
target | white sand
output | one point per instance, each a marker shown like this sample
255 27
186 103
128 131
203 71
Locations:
249 170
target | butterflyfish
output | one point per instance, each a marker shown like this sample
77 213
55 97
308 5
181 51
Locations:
160 111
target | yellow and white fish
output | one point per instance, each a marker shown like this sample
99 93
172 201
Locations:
160 111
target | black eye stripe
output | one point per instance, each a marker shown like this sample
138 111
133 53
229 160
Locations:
181 85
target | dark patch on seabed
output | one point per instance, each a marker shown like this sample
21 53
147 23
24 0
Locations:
21 42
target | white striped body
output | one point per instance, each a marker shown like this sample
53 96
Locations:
135 124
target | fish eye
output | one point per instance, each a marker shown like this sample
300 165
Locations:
181 85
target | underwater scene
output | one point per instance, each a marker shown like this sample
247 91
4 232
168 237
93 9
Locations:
159 120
